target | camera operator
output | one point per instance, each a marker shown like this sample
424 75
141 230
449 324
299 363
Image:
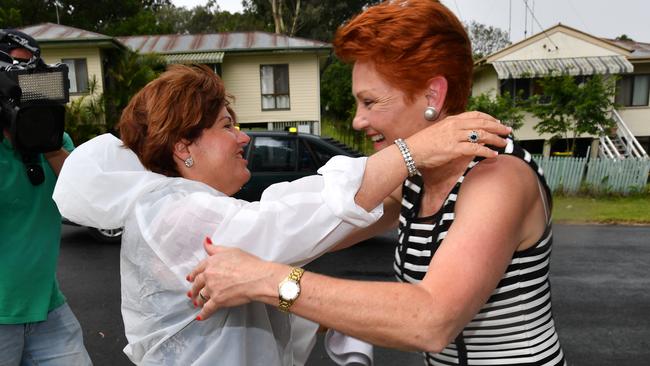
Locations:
37 327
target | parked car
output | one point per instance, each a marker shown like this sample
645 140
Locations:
103 235
273 156
279 156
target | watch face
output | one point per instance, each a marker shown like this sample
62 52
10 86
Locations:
289 290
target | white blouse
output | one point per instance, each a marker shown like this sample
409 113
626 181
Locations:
103 184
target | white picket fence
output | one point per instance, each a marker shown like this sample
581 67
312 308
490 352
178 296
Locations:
599 174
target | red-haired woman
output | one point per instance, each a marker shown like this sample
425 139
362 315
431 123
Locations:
171 187
474 235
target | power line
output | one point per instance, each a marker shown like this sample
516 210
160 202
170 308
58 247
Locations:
540 26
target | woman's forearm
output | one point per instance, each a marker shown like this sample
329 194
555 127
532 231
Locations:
389 314
385 171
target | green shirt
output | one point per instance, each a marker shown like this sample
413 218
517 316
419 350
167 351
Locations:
30 234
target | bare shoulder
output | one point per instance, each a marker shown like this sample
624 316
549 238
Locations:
505 179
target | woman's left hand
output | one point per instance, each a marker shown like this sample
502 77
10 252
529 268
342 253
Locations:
228 277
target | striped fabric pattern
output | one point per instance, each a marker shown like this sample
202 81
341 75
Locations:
515 326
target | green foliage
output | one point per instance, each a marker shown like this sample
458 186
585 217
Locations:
486 39
9 17
501 107
624 37
569 108
336 91
316 19
602 209
343 131
92 114
84 115
129 73
339 106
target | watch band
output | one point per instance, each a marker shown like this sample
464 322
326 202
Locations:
294 276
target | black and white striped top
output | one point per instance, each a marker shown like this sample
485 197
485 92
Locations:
515 326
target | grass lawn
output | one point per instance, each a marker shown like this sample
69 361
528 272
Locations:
606 210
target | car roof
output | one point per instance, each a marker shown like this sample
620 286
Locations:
331 142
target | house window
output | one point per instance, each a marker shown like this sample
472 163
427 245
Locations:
78 75
519 89
633 90
275 87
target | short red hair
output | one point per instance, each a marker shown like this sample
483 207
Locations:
181 103
410 42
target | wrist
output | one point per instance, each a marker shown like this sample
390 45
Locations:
408 157
268 291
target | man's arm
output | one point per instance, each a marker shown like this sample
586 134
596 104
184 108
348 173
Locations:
56 159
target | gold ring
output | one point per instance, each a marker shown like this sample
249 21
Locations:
203 297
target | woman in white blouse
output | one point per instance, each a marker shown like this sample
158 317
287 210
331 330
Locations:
168 182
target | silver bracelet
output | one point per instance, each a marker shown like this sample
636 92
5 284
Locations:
408 159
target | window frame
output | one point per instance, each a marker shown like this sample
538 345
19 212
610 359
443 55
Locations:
620 98
274 94
75 62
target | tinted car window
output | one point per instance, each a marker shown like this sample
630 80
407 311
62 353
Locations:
323 154
306 162
273 154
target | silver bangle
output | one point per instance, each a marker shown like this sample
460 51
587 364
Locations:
408 159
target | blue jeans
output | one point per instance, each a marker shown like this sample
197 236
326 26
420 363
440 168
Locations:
57 341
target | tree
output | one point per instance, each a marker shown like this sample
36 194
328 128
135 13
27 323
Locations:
339 105
313 19
486 39
624 37
129 73
502 107
570 106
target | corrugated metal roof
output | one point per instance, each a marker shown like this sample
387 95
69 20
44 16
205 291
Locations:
194 57
235 41
56 32
572 66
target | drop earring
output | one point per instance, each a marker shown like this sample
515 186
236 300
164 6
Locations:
430 113
189 162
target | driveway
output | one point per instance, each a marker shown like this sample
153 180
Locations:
600 279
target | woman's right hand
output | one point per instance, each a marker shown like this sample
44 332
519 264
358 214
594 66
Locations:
449 139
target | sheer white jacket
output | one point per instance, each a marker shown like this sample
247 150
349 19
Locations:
103 184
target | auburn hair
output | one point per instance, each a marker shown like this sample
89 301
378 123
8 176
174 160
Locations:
409 42
178 105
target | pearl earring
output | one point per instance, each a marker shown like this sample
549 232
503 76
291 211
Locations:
189 162
430 113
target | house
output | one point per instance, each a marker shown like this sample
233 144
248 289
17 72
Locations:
275 78
84 52
562 48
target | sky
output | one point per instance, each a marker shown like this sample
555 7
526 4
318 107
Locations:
601 18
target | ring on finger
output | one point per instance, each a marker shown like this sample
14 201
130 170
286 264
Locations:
473 137
202 296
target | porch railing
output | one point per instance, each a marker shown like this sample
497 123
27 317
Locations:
623 143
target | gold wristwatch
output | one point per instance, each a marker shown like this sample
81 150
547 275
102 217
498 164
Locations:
289 289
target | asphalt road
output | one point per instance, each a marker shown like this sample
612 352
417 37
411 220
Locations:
600 277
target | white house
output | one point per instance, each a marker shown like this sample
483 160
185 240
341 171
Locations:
275 78
83 51
561 48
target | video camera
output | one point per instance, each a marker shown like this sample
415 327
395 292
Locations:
32 96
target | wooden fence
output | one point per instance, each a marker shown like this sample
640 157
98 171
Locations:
599 174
